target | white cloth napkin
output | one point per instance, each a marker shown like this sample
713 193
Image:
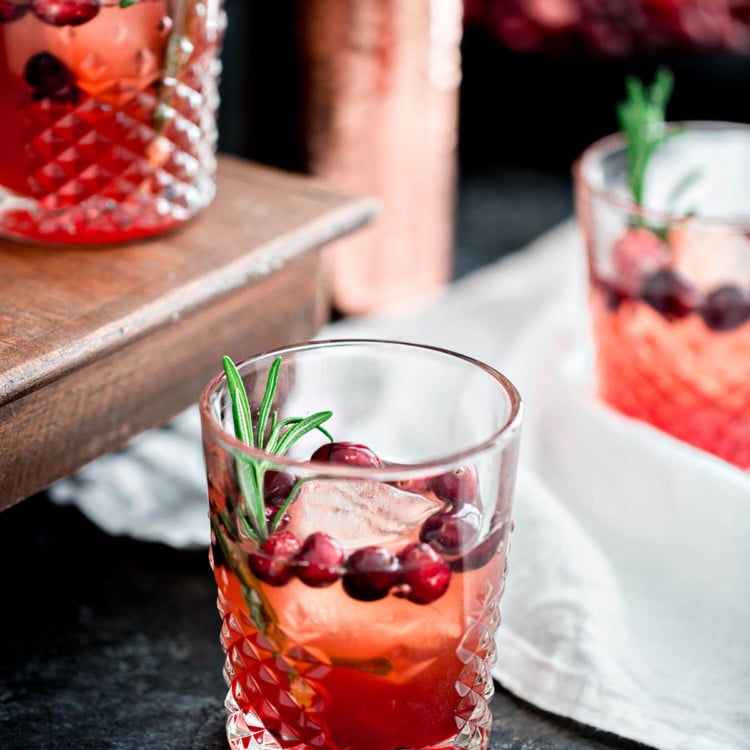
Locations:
628 599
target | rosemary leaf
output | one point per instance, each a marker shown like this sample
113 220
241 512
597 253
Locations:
642 119
251 486
243 422
265 404
303 426
283 434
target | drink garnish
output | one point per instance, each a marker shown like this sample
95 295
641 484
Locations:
642 119
271 435
250 536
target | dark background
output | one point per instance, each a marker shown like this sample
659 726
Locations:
524 116
517 109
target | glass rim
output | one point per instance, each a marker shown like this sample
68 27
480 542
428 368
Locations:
613 142
500 437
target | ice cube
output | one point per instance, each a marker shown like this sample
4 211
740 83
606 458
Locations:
359 512
710 255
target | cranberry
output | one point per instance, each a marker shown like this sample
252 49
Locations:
459 485
636 254
320 560
276 486
425 573
274 561
451 531
726 307
670 294
614 296
481 554
417 486
65 12
270 512
10 10
50 78
370 573
355 454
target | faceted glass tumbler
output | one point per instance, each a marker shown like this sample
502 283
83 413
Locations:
670 283
109 129
363 613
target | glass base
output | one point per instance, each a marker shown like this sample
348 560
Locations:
100 220
246 731
282 710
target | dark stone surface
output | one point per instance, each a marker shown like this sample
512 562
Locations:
112 644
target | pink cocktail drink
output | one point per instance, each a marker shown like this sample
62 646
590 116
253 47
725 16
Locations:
363 612
670 285
109 108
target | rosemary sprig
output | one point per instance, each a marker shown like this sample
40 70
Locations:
282 434
642 119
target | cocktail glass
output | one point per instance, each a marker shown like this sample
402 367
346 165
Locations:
109 116
670 283
367 618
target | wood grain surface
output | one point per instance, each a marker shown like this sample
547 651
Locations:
100 344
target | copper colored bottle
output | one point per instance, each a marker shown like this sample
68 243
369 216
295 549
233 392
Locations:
380 83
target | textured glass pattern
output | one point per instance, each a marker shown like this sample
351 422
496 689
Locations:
127 148
677 375
276 699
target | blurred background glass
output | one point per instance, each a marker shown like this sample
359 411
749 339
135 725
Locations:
539 82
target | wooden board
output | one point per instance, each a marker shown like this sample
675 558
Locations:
100 344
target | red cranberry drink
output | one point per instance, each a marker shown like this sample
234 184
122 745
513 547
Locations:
109 116
669 263
360 503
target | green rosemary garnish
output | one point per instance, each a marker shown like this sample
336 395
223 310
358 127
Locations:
272 436
642 119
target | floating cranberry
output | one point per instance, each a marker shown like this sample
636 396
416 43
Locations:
638 253
65 12
459 485
726 307
10 10
614 296
424 572
670 294
355 454
370 573
418 486
50 78
276 486
453 530
320 560
274 561
481 554
270 512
